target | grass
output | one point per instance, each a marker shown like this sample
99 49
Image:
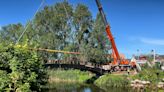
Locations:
110 80
107 81
149 74
69 75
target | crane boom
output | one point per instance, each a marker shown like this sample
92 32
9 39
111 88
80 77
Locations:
108 31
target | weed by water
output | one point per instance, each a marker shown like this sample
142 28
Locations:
69 75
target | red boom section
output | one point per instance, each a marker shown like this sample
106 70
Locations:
110 37
109 34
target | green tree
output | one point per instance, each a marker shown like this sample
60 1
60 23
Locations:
52 24
10 33
23 69
62 27
98 45
99 42
82 20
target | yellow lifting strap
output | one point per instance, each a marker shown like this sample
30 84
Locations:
54 51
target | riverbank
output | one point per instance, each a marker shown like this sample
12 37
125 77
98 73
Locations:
70 81
147 79
75 76
111 80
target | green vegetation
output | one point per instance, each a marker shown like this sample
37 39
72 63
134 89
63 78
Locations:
59 27
21 70
62 27
66 80
61 87
76 76
149 74
109 81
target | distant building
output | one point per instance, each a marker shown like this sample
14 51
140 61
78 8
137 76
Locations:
161 57
145 57
142 59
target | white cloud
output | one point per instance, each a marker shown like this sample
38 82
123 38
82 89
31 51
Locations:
152 41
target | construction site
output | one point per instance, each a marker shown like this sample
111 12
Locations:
65 47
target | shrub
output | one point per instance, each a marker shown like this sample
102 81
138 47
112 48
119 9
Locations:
21 70
108 81
149 74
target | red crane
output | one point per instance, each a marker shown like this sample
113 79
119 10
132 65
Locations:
117 59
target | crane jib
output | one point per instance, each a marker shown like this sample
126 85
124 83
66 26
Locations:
110 36
101 12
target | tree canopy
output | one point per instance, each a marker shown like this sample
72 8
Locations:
63 27
21 70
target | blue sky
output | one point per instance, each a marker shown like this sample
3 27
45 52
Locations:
135 24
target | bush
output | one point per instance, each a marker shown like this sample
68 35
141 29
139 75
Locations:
108 81
150 74
21 70
4 80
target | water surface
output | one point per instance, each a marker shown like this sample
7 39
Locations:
75 87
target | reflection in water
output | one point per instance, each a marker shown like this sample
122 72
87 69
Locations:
71 87
87 90
75 87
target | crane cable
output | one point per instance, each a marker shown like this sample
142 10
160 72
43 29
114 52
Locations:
69 20
40 49
65 10
40 6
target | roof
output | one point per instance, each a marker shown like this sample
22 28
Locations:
161 56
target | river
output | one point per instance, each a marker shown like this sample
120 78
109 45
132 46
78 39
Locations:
71 87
